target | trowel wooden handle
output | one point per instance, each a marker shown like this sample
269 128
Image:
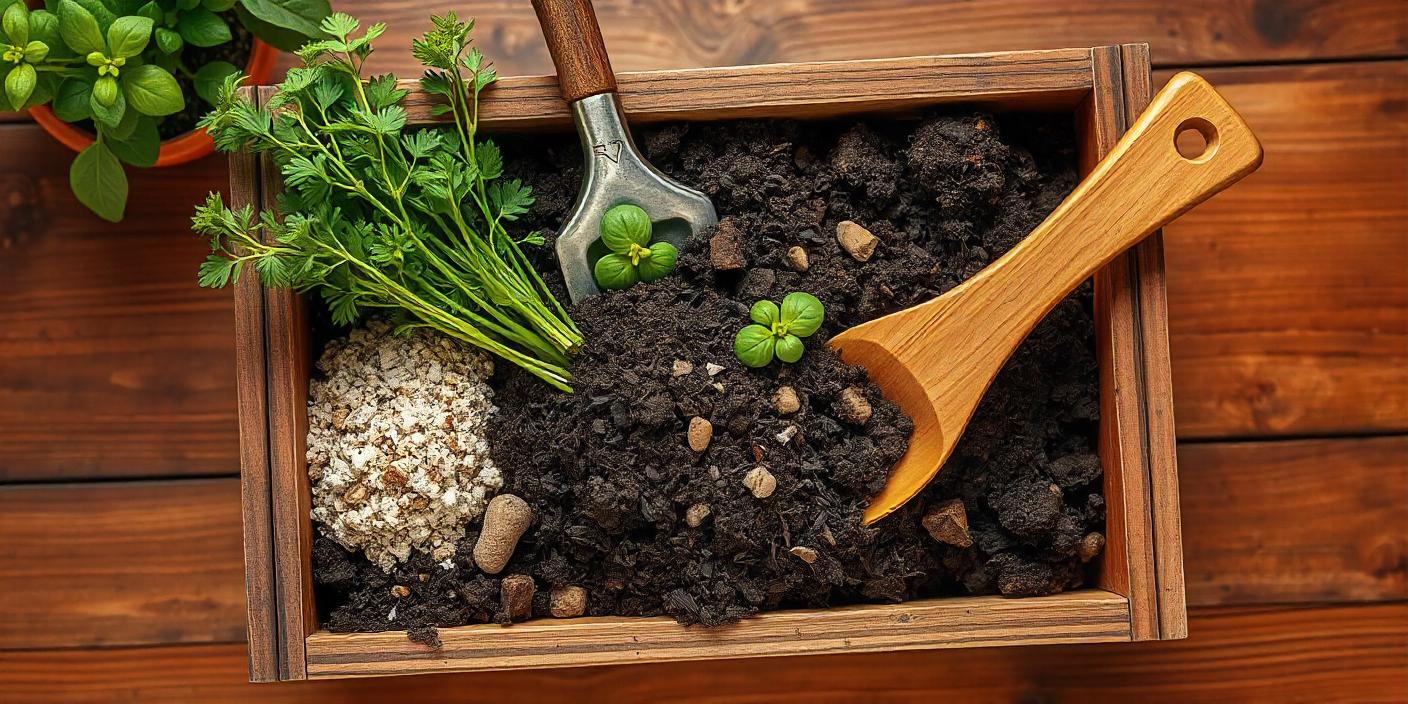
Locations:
1142 184
574 40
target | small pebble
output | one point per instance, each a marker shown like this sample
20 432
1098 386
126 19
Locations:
853 407
786 401
713 369
804 554
726 247
701 431
1091 546
761 482
856 240
694 516
797 259
443 553
400 592
681 368
516 596
567 602
948 523
787 434
504 522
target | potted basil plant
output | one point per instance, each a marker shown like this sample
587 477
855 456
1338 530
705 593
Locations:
126 81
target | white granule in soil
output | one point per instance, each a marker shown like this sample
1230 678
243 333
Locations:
396 450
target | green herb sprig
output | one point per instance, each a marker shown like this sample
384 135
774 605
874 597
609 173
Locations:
778 332
376 216
626 231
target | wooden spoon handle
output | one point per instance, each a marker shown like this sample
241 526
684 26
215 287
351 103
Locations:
578 52
1142 184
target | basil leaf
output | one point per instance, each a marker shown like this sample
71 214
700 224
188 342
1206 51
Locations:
140 148
623 226
659 263
615 271
152 11
210 77
78 28
764 313
187 4
98 181
789 348
152 91
301 16
128 36
105 91
168 40
109 115
123 128
802 313
35 51
273 35
44 27
16 24
754 346
201 27
217 5
20 84
100 12
71 102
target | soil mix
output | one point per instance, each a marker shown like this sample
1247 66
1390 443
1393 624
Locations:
617 489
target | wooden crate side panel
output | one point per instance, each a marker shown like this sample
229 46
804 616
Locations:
286 333
1087 616
1051 79
1122 445
1161 447
250 371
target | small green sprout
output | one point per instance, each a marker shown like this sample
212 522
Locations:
778 332
626 231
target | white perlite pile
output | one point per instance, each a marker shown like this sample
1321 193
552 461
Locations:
396 447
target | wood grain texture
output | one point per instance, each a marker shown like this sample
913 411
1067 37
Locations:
574 41
1156 380
1275 655
1090 616
658 34
112 362
288 364
1288 294
1050 79
1301 520
120 564
255 499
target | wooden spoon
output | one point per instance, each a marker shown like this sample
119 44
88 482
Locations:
937 359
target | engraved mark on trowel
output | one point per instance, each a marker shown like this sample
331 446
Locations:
611 150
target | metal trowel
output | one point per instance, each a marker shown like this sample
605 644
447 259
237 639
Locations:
615 172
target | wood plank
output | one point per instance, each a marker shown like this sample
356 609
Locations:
1087 616
255 501
1037 79
112 362
1289 292
658 34
1156 381
1305 520
120 564
1280 654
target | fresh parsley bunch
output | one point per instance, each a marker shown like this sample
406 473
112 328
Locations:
376 216
115 63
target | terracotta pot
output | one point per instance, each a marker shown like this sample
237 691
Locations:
177 150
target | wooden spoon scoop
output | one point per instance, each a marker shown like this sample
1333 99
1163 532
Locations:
937 359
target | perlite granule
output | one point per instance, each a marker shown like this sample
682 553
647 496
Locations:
396 448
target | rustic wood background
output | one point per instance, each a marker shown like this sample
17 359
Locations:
120 557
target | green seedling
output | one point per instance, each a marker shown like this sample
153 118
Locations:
626 231
778 332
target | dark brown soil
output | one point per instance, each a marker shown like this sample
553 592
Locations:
608 470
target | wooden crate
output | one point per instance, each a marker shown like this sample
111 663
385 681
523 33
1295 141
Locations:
1140 588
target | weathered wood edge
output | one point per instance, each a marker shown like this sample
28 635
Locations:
260 610
1161 447
286 334
1054 78
1122 435
1086 616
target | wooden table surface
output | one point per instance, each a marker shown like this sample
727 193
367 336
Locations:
120 557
